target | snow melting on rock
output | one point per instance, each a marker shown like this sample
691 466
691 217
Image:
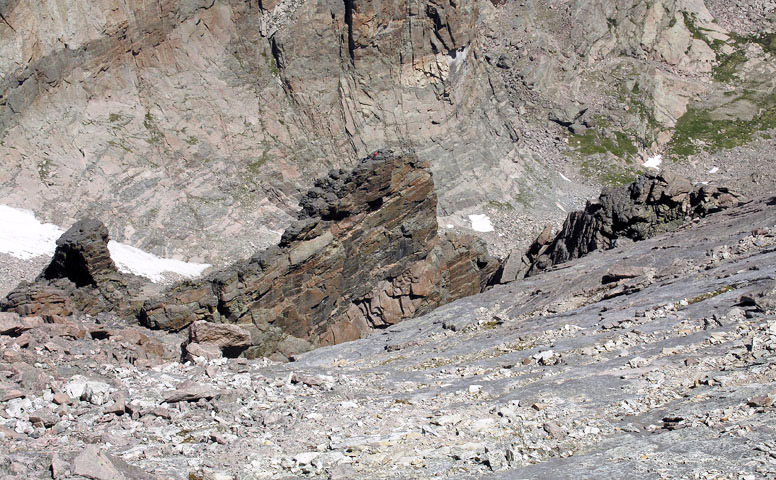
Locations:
481 223
23 236
654 162
459 58
133 260
714 170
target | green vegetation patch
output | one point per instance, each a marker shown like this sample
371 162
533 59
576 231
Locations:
597 151
155 135
728 65
504 206
608 172
696 129
591 143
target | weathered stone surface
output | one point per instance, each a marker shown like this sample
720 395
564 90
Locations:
92 463
531 371
189 392
82 255
14 325
653 204
364 254
221 335
81 277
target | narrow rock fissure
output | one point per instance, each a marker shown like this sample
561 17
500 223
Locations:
349 23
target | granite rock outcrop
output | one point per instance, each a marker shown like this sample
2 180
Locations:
80 278
654 203
363 254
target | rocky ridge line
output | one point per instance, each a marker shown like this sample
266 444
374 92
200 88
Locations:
654 203
363 255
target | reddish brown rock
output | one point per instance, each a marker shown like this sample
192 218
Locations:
364 254
220 335
14 325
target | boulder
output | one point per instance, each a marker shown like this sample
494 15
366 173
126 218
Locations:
80 277
221 335
82 255
14 325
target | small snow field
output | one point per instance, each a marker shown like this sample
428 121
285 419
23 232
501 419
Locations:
481 223
129 259
714 170
24 237
654 162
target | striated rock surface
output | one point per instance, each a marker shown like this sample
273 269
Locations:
81 277
653 204
364 254
555 376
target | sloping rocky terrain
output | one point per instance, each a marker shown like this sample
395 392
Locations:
651 360
634 339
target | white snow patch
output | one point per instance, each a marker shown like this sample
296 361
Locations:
481 223
564 177
450 225
557 204
460 57
23 236
714 170
654 162
133 260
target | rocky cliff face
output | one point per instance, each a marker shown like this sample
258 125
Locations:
364 254
194 127
561 375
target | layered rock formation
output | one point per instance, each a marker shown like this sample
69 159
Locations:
81 277
364 254
653 204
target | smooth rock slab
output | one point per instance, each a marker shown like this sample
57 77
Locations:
189 392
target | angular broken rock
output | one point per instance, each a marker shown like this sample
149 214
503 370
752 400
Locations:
44 417
219 334
12 324
96 465
82 254
207 351
80 277
92 463
652 204
189 392
615 274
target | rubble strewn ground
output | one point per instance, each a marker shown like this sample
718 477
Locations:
664 372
